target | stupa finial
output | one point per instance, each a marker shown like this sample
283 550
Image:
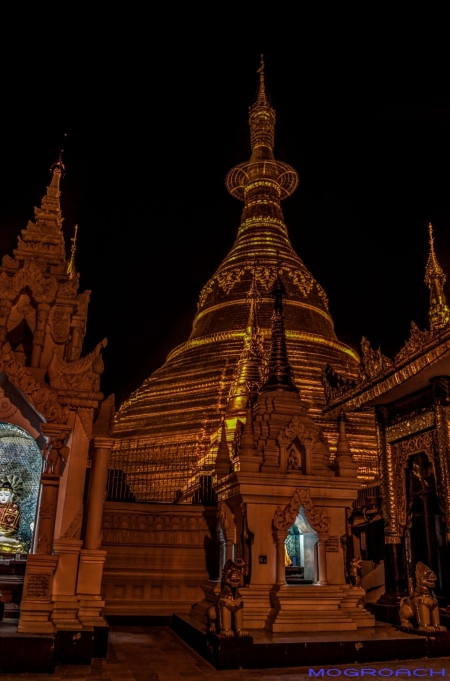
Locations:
280 375
435 279
261 98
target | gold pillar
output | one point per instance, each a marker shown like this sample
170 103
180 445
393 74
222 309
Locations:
97 489
42 312
322 558
280 537
387 477
441 395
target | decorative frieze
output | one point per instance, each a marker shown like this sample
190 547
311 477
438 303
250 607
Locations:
410 426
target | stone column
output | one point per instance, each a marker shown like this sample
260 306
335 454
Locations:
97 489
66 603
280 537
37 606
322 558
42 312
92 558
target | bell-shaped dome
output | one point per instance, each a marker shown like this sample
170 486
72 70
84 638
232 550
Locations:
182 402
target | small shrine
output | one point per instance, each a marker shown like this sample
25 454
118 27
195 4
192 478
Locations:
50 450
283 504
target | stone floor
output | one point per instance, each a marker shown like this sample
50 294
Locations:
157 654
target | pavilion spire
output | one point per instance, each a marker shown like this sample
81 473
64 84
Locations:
280 375
439 313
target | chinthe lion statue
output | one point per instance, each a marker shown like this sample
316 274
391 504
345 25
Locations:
226 616
421 606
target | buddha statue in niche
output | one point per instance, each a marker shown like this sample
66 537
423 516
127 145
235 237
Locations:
9 520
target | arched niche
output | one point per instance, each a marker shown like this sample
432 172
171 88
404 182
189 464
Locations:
301 549
21 467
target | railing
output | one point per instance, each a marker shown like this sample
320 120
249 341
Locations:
147 472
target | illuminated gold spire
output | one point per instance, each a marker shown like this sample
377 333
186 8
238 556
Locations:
261 99
249 372
73 250
435 278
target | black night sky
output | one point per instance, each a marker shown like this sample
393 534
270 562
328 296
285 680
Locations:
156 114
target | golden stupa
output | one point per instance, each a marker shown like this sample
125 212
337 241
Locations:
167 426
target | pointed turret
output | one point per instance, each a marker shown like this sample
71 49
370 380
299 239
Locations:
344 464
223 462
43 239
435 278
250 368
280 375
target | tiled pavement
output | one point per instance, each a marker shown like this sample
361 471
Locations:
157 654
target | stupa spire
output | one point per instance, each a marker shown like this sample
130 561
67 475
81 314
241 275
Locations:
435 279
280 375
249 372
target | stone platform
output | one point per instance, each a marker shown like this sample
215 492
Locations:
263 649
38 653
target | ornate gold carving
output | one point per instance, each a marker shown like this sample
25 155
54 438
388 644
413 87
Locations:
265 276
415 343
410 426
295 428
385 455
441 394
81 374
373 362
401 452
285 518
435 278
335 386
42 397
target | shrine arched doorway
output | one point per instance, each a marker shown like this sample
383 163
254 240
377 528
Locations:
20 474
301 552
425 532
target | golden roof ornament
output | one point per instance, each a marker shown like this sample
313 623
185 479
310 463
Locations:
435 279
73 250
